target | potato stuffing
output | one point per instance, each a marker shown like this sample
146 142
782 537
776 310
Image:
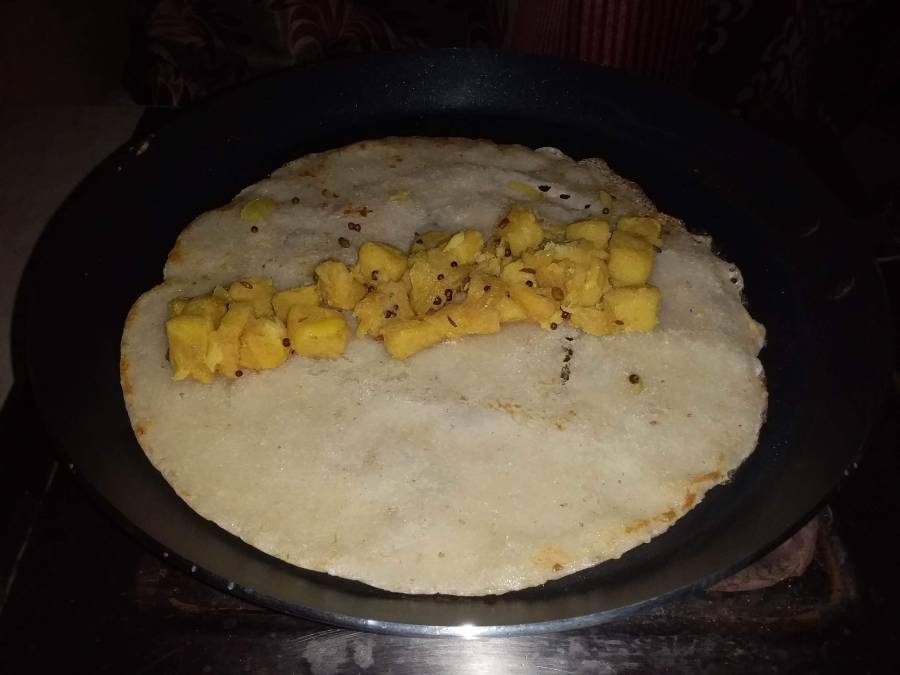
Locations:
447 286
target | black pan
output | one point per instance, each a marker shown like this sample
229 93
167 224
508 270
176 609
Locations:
807 279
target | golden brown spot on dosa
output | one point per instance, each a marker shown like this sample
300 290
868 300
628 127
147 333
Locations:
123 373
666 516
175 253
130 317
704 477
637 525
508 407
140 428
551 558
689 499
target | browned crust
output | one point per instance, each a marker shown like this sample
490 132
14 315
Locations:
175 254
637 525
509 407
127 388
706 477
551 558
666 516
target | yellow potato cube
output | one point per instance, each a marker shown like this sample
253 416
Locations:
630 259
488 263
257 209
646 228
580 252
302 295
593 320
337 285
634 309
487 291
434 278
580 283
379 262
262 344
224 342
555 233
480 285
528 191
257 291
539 259
555 274
623 239
594 231
606 199
298 313
188 338
459 320
388 302
464 246
508 309
538 305
322 335
630 267
205 305
429 239
517 274
404 338
586 284
520 231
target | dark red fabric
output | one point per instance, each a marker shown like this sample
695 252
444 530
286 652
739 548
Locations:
651 37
